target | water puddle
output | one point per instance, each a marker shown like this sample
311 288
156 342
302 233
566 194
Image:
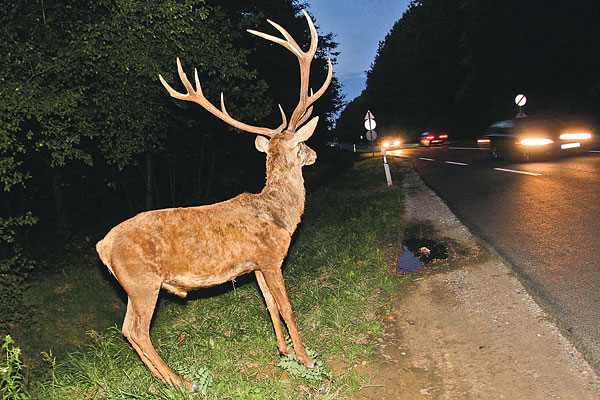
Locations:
418 253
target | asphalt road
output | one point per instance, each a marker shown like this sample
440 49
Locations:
543 217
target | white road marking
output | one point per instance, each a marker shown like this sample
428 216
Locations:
517 172
426 159
466 148
455 163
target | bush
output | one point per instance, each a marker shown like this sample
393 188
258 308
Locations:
15 267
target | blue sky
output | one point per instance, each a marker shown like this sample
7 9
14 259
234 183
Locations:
359 26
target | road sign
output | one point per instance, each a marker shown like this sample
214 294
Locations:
369 115
370 124
520 100
371 135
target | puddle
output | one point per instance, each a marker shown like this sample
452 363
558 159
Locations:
418 253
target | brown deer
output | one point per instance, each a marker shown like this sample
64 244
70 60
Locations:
180 249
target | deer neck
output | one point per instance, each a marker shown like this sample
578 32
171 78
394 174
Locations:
284 193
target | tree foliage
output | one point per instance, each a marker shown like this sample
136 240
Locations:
458 64
88 135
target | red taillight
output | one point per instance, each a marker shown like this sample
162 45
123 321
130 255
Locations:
444 136
429 137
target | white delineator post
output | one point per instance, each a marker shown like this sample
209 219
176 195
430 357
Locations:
386 168
371 135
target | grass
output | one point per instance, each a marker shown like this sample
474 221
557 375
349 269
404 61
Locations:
337 282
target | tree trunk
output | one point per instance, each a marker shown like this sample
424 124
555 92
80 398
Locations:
58 190
149 191
198 191
172 183
210 175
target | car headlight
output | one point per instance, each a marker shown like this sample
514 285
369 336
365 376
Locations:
576 136
386 144
396 143
535 142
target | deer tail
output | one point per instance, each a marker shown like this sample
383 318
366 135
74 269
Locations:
103 250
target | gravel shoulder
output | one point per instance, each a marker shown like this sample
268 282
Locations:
466 328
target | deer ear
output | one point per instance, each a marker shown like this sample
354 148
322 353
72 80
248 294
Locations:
261 143
306 130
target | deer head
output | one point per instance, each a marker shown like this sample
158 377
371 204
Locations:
181 249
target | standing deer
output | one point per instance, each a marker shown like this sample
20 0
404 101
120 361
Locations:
180 249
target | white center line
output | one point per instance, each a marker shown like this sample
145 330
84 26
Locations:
466 148
517 172
455 163
426 159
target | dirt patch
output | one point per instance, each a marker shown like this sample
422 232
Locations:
467 328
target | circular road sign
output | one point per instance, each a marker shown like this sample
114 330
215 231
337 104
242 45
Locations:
520 100
371 135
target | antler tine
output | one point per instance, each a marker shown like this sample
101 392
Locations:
289 43
300 114
305 116
313 34
283 118
196 96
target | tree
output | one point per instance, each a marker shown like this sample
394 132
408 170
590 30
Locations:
458 64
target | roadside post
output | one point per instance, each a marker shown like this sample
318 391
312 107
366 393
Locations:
372 135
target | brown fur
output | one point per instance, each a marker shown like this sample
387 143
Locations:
181 249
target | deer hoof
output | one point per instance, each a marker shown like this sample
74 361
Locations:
285 353
312 366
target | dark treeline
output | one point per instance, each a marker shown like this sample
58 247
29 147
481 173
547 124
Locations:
457 65
88 135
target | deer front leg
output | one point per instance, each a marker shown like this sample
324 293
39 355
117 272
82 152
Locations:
274 280
274 312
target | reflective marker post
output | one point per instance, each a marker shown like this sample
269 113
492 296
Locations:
371 135
386 167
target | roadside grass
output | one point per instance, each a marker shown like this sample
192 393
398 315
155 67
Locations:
338 285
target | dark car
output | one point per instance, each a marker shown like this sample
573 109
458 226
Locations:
534 136
433 138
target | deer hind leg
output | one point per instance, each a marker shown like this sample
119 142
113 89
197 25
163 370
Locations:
274 312
128 326
274 280
136 327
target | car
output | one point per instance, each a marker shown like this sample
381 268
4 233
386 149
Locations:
534 137
390 143
429 139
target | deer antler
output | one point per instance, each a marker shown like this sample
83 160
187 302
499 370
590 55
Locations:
196 96
303 109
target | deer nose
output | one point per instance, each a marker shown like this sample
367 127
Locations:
310 159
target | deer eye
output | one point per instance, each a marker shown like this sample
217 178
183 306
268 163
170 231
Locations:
300 149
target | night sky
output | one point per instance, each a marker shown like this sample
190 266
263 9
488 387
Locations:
358 26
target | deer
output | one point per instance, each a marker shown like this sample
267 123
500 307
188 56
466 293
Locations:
182 249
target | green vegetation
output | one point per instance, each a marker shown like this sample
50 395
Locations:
338 285
11 371
457 65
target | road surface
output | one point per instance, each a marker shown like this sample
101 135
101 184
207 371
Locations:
543 217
